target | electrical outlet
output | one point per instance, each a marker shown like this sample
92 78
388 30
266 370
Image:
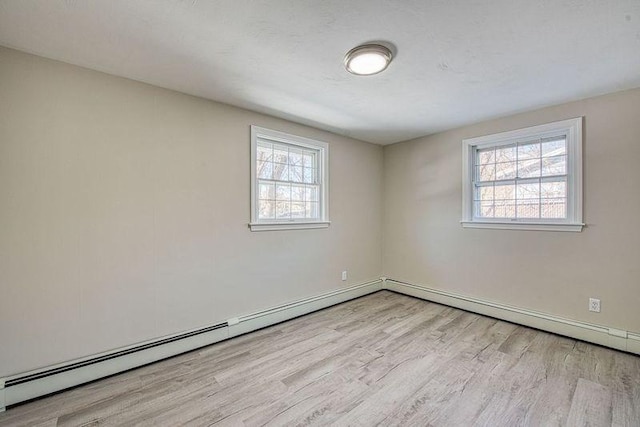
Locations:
344 275
594 305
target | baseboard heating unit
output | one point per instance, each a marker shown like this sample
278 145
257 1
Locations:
26 386
29 385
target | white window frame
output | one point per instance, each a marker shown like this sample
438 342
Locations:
572 128
322 148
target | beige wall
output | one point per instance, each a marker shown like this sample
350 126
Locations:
552 272
124 211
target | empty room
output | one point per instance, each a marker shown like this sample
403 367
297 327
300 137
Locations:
319 212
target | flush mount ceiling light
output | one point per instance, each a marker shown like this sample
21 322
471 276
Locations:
367 59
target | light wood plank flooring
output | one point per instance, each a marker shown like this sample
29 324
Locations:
384 359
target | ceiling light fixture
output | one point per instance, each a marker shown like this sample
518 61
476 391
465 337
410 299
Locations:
367 59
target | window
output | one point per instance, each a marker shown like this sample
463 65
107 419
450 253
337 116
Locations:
528 179
289 181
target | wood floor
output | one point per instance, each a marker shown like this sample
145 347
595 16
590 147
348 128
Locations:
384 359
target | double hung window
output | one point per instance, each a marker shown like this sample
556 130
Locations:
525 179
288 181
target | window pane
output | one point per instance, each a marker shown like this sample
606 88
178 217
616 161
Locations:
498 200
528 191
297 193
267 191
311 194
554 189
529 168
264 152
485 192
486 156
505 208
505 192
554 166
486 209
265 209
295 174
553 208
280 172
529 151
506 154
506 170
280 154
283 210
283 192
554 147
309 160
265 170
309 175
486 172
312 210
298 210
528 208
295 157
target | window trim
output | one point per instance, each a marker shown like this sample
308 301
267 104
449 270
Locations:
256 224
572 128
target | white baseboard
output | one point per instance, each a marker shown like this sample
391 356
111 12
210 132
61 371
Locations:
633 343
3 403
29 385
597 334
252 322
19 388
74 376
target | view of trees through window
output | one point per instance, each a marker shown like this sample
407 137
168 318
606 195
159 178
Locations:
522 180
288 185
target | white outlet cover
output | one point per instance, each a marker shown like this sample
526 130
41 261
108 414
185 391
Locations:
344 275
594 305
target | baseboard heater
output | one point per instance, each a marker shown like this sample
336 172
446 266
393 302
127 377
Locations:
27 386
49 372
42 382
598 334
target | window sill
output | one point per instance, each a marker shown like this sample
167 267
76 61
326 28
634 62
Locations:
537 226
272 226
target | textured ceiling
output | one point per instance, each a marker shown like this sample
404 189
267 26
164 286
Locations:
458 61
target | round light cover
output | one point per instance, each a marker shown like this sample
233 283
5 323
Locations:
367 59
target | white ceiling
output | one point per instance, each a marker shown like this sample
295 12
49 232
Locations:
458 61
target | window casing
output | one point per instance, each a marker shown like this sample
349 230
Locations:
528 179
289 181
